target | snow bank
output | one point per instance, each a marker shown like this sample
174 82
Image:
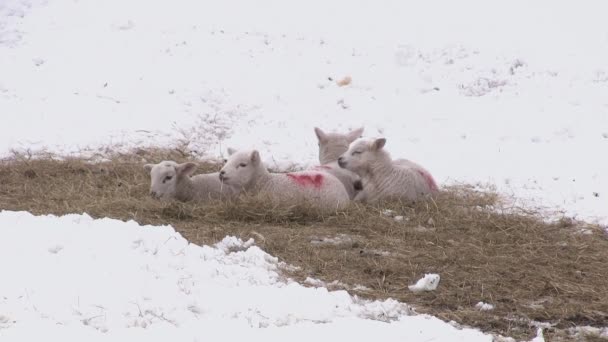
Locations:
429 282
75 278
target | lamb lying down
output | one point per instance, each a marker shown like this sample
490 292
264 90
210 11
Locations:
170 180
246 171
331 146
384 179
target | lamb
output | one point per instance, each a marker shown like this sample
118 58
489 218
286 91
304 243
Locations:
246 171
170 180
383 178
331 146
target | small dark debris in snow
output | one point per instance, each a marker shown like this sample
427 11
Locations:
596 194
517 64
343 104
105 84
171 91
38 61
436 88
330 79
605 135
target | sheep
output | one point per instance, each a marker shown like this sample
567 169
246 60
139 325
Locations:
385 179
170 180
331 146
246 171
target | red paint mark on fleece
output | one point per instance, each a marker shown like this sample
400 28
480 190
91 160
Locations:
315 180
429 180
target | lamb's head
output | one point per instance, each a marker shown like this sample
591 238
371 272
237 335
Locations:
165 175
241 168
363 154
332 145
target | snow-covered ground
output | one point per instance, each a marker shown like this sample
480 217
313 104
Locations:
511 93
73 278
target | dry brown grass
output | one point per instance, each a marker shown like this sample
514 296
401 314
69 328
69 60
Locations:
528 268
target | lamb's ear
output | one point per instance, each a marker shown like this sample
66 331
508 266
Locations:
186 169
255 157
320 134
231 151
378 144
354 135
148 167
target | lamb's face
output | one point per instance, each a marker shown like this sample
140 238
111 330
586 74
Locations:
332 145
163 177
240 168
361 154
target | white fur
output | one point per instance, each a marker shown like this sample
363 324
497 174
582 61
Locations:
384 179
170 180
246 171
331 147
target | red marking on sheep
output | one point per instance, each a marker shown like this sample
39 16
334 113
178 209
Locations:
314 180
429 180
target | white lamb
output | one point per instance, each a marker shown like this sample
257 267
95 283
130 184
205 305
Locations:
331 147
170 180
384 179
246 171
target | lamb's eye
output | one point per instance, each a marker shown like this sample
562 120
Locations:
225 161
242 165
356 152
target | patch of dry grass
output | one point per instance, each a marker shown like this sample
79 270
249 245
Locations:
484 251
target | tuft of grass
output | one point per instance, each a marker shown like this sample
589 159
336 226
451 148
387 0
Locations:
531 269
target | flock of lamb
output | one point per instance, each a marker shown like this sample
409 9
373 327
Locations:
351 168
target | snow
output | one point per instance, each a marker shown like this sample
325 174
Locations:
511 94
429 282
484 306
74 278
539 336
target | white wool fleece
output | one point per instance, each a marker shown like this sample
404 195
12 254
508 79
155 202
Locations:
246 171
170 180
331 146
384 179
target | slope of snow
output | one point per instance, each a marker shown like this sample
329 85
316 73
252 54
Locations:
75 278
508 93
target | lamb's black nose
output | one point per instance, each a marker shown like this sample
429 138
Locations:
222 173
341 162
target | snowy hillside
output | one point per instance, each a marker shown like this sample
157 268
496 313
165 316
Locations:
512 94
75 278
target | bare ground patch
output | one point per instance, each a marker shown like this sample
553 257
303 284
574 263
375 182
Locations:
512 258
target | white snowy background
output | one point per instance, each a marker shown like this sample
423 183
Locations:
510 93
